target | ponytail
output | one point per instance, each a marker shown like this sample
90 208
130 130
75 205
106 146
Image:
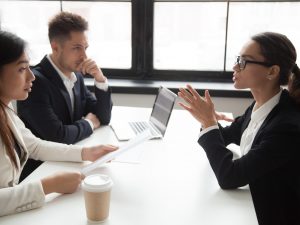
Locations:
294 84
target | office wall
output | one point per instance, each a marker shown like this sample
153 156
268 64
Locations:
235 105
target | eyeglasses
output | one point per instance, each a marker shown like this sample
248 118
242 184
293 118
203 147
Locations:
241 62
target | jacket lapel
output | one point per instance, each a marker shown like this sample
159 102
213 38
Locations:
53 76
283 99
247 118
77 104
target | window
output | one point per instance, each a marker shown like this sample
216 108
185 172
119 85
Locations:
23 22
109 31
194 40
189 36
279 17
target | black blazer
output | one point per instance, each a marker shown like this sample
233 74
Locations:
47 111
271 167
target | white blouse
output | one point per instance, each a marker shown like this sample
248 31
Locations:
258 116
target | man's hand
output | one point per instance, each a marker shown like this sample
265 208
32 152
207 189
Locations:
94 119
89 66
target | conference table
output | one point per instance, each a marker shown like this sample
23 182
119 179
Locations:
164 182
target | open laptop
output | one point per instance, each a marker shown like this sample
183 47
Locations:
157 124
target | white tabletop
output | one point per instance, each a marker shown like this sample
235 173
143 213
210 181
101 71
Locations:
172 185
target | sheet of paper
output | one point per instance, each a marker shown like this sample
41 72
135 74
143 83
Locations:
133 156
144 136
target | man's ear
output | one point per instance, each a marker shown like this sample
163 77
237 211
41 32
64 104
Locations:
54 45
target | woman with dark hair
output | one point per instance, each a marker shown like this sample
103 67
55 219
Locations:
268 133
17 143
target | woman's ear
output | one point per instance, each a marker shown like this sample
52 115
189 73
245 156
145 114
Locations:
274 72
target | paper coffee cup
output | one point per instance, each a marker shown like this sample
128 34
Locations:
96 189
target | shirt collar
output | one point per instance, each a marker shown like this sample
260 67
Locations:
73 77
266 108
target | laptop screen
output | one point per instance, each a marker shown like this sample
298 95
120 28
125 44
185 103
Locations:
162 108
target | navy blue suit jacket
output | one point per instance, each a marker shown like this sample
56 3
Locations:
271 167
48 114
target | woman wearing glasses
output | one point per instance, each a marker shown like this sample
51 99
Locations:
268 133
17 143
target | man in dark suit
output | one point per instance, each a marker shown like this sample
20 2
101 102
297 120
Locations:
60 108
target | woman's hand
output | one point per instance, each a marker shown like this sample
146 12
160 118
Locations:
201 108
220 116
62 182
95 152
67 182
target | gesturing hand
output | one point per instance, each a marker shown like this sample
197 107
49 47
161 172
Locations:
201 108
221 116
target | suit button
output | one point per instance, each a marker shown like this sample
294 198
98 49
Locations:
28 206
24 208
33 205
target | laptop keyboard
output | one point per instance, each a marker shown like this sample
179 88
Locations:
139 127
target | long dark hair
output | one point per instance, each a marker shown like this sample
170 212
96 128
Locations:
277 49
11 49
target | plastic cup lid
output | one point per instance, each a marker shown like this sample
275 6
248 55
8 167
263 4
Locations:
97 183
